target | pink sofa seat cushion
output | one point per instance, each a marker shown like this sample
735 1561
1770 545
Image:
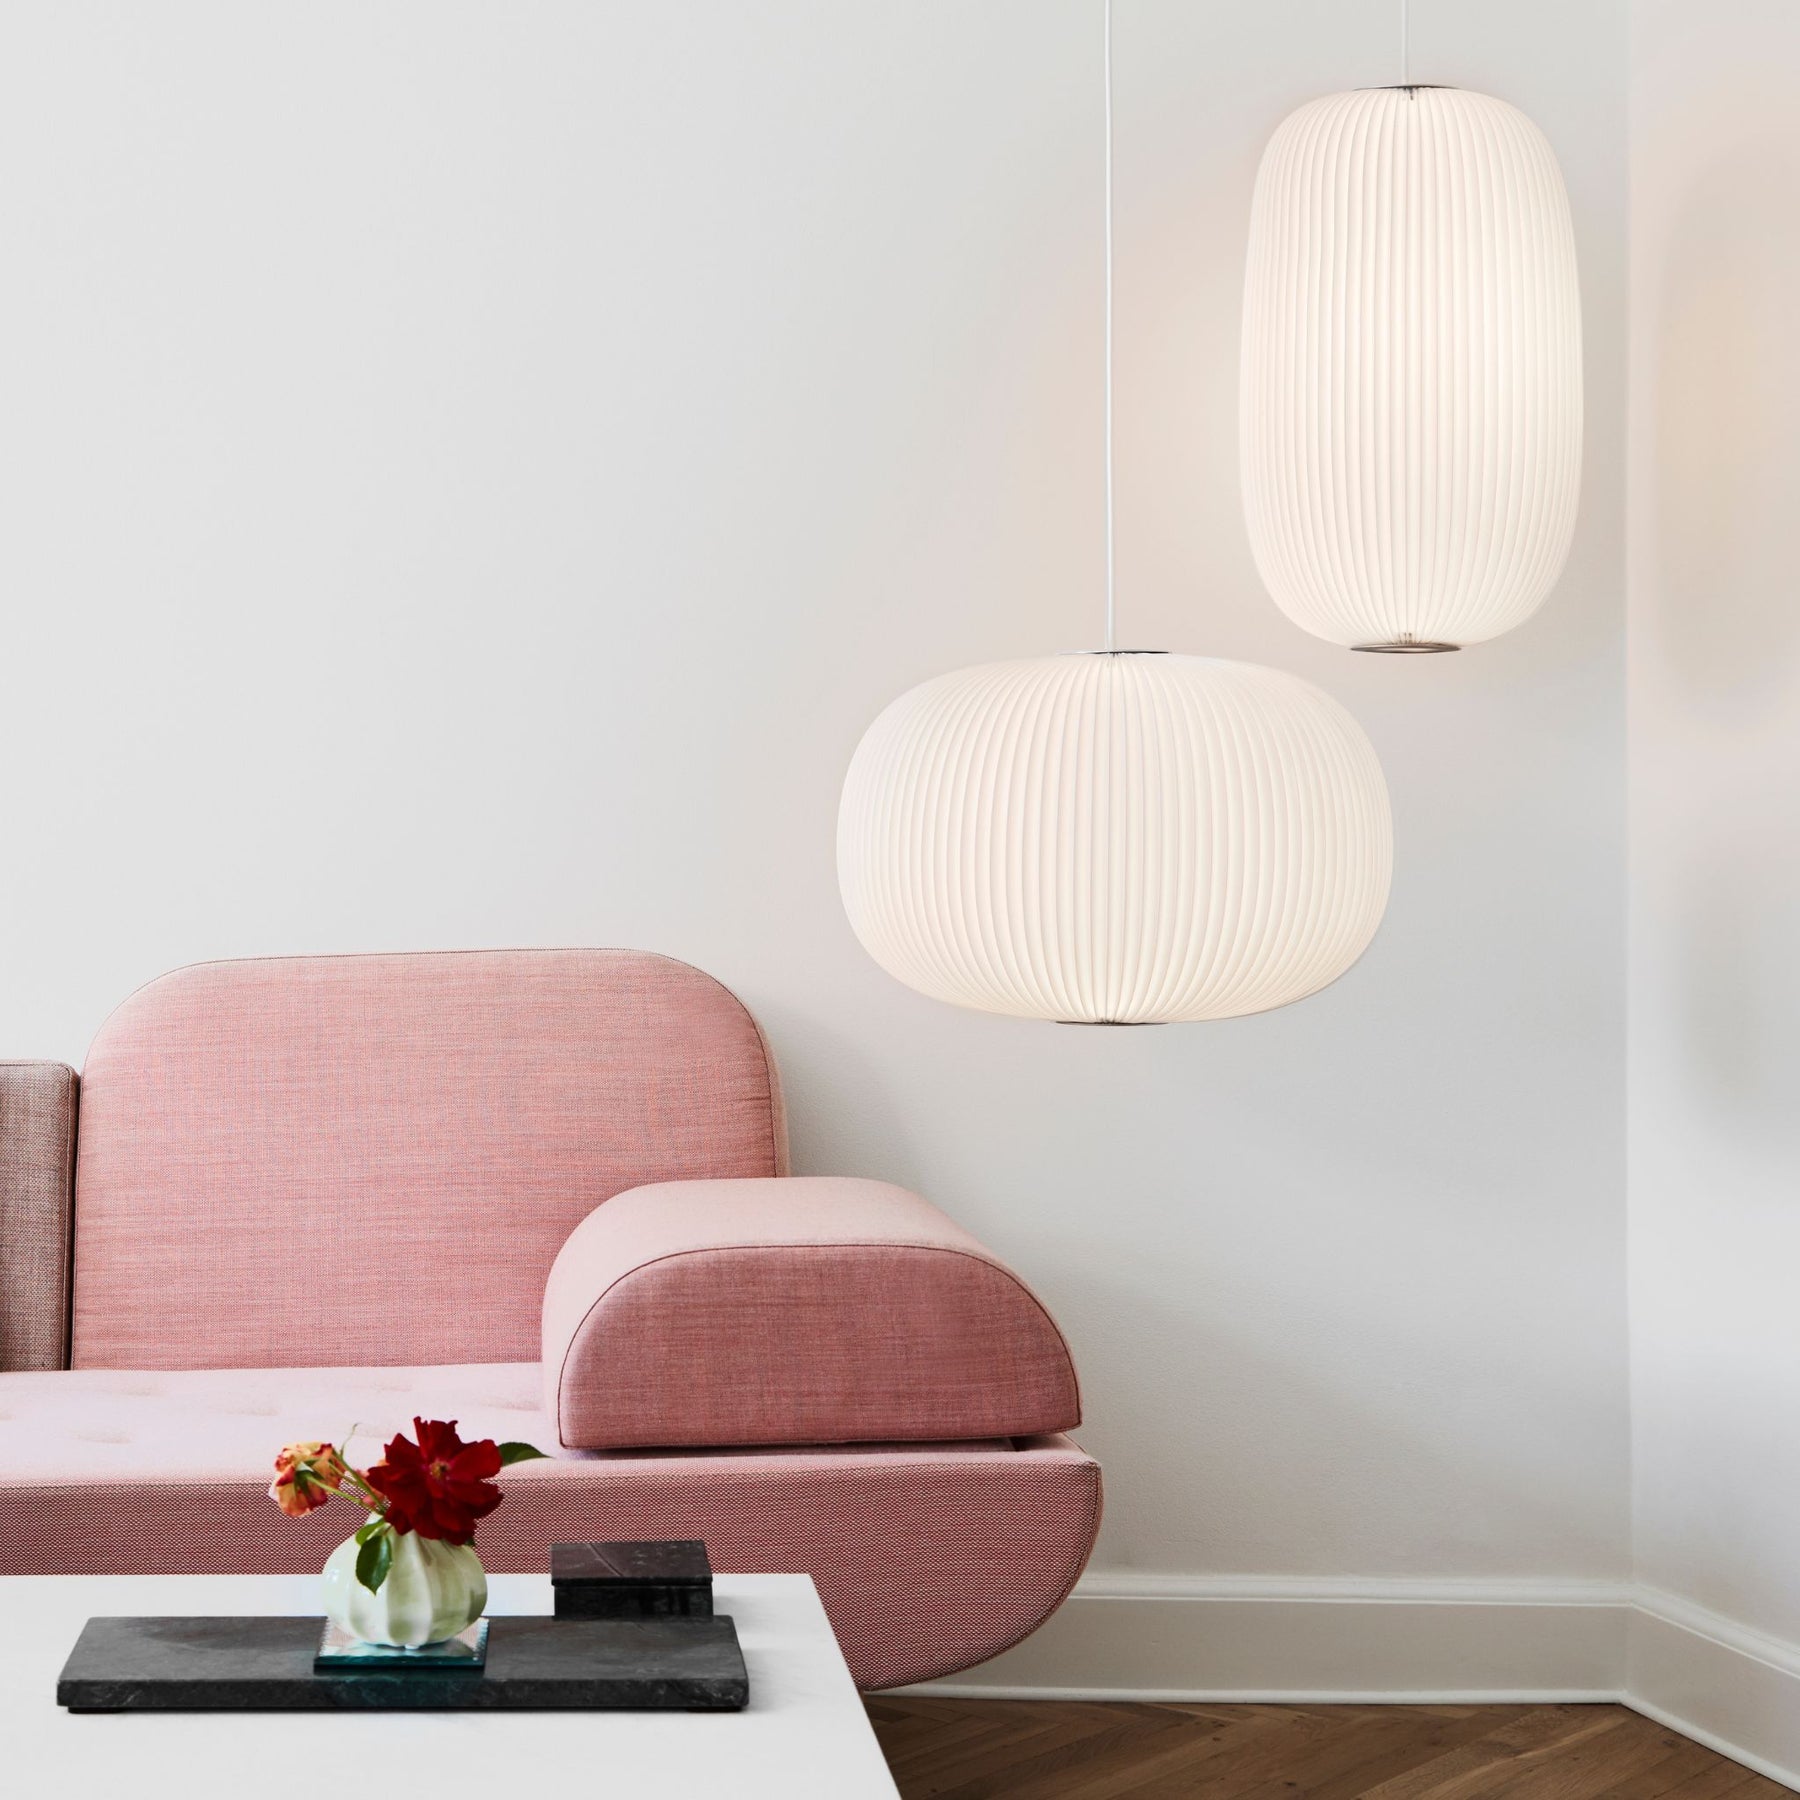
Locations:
794 1311
272 1152
929 1558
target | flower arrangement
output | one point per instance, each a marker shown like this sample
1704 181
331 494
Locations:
436 1487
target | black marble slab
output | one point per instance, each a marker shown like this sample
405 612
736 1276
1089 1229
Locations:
666 1578
533 1664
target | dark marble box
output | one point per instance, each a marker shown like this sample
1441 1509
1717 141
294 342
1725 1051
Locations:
533 1664
666 1579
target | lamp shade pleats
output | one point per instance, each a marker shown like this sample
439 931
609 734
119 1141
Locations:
1411 384
1115 838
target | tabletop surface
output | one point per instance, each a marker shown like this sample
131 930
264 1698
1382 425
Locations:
803 1734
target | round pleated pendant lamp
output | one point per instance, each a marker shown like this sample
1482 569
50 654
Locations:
1115 838
1411 380
1118 838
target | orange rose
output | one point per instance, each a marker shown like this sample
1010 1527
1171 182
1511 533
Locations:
305 1476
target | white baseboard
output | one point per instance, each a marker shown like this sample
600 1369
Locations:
1714 1680
1239 1638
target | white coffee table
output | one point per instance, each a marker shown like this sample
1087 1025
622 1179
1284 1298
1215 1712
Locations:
804 1732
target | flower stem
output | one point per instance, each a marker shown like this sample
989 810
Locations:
373 1504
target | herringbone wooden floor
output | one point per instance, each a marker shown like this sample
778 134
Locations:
1072 1750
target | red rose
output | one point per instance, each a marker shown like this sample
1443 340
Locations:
439 1486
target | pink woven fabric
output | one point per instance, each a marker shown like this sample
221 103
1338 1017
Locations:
374 1159
800 1311
929 1558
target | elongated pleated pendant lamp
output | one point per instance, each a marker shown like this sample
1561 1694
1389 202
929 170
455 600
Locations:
1115 838
1410 423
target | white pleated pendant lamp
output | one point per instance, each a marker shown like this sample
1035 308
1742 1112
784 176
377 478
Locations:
1411 411
1119 838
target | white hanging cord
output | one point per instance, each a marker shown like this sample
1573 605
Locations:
1405 43
1110 582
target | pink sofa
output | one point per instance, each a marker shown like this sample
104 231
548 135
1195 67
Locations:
544 1193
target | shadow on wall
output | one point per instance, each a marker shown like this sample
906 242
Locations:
1739 896
843 1117
1277 1468
1725 537
1727 449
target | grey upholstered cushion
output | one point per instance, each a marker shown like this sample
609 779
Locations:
37 1181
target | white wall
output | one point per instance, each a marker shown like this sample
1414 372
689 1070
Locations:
468 473
1715 787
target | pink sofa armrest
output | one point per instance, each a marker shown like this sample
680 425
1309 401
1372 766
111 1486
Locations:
798 1310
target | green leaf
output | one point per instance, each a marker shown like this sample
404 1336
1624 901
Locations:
516 1453
375 1558
365 1532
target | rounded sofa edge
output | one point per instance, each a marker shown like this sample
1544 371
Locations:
1082 1547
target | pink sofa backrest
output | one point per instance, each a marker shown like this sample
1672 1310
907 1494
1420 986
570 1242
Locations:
374 1159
